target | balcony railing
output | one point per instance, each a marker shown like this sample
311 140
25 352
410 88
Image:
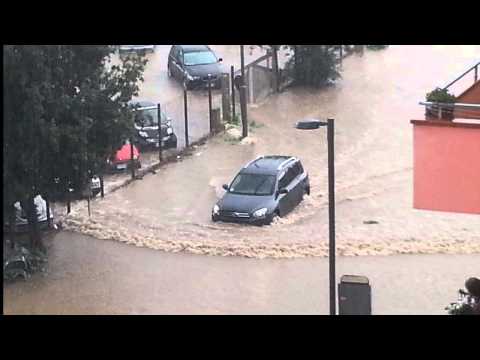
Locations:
474 68
473 110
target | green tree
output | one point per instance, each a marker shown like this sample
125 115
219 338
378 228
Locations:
65 111
313 65
310 65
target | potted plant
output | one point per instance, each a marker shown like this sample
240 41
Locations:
440 96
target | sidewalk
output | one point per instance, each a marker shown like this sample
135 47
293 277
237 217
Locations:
90 276
115 181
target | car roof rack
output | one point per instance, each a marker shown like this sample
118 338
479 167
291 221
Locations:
283 164
251 162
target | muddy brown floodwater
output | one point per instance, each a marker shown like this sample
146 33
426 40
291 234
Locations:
88 276
372 105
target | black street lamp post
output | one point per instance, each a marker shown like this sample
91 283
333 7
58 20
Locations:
209 76
185 109
311 125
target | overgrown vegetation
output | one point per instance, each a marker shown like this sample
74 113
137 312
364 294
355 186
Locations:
313 65
310 65
236 120
442 96
65 111
316 65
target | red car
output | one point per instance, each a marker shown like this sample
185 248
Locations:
122 158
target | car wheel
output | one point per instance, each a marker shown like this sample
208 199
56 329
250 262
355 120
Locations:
172 142
273 218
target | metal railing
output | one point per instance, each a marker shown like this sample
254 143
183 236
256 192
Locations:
475 76
451 107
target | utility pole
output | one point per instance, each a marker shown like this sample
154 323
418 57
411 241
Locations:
159 124
275 68
243 95
102 188
341 56
210 102
132 159
232 80
88 205
242 61
225 98
331 214
68 197
185 109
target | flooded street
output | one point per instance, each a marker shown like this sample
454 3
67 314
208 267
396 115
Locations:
372 105
90 271
87 276
158 87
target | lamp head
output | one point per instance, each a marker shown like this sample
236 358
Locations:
310 124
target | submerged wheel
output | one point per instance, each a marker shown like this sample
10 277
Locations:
275 216
172 142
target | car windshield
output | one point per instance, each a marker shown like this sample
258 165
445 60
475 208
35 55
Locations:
199 58
146 118
253 184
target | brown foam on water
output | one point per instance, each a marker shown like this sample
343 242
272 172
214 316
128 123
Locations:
199 242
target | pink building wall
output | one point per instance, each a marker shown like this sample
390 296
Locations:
446 166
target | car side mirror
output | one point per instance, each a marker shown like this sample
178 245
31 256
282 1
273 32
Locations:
225 186
220 60
283 191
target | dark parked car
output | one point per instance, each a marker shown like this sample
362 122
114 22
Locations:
267 187
192 64
137 48
146 126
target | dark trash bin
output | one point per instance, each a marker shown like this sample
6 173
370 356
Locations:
354 295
